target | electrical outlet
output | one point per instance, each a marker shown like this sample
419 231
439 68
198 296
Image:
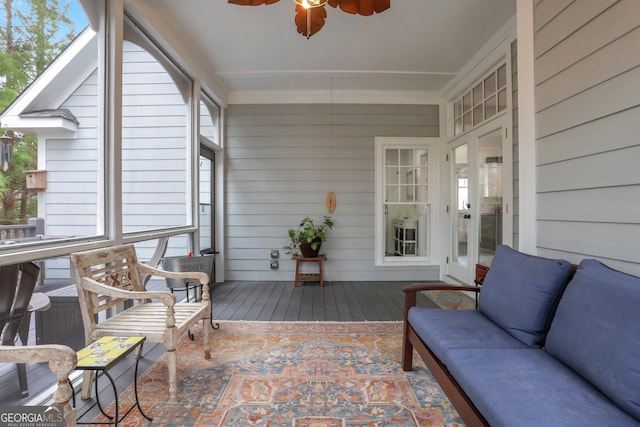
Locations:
275 254
274 264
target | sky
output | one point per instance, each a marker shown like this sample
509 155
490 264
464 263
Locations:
76 13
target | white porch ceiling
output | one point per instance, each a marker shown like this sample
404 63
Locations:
416 45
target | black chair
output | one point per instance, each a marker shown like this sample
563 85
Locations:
8 284
17 283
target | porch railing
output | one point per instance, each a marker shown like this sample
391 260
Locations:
33 228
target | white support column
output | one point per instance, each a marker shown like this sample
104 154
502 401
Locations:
526 127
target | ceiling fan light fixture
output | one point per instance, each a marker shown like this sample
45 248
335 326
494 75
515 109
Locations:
307 4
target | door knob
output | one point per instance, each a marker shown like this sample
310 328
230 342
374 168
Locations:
467 216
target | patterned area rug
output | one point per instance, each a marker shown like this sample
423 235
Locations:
295 374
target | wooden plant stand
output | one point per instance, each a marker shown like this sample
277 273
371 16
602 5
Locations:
305 277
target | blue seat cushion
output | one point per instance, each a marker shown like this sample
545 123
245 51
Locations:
596 332
528 387
443 330
520 293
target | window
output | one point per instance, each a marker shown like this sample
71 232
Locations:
53 184
115 169
156 137
484 101
405 185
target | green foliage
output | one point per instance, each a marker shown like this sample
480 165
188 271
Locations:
17 204
32 34
308 232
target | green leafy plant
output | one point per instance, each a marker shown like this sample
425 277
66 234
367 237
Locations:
308 232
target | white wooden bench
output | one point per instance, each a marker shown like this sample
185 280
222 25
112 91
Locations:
109 279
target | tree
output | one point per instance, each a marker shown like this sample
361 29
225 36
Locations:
32 34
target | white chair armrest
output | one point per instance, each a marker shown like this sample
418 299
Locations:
91 285
203 278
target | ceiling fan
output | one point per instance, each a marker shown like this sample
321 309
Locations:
311 14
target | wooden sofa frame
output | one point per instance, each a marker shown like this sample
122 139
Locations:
113 301
410 341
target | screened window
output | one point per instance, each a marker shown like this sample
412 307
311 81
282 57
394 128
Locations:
52 170
156 137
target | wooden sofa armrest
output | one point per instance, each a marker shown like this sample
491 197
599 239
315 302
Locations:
411 291
62 360
166 297
438 286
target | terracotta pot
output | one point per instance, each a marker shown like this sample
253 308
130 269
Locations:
307 251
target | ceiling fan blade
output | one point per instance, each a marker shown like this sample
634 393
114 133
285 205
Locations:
380 6
252 2
314 17
361 7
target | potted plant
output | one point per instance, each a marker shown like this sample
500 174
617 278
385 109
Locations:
308 237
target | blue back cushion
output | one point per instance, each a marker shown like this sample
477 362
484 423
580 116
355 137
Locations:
521 292
596 332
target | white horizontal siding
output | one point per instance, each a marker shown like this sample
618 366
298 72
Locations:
70 201
281 162
608 240
588 119
563 25
594 34
152 198
588 138
607 169
605 204
602 65
628 267
611 96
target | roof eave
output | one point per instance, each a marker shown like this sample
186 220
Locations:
53 127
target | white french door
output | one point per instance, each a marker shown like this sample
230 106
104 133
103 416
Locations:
481 180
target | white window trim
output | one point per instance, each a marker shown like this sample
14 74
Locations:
432 144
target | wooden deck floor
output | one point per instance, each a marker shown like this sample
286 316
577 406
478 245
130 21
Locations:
251 301
334 302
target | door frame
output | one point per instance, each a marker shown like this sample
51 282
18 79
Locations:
466 274
216 155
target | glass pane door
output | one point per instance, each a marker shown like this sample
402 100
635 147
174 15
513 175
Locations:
490 194
478 182
206 207
461 206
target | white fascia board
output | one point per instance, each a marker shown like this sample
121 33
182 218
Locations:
31 93
58 127
335 97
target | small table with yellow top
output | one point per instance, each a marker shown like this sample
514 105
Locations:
101 355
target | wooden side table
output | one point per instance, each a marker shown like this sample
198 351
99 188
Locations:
305 277
100 356
481 273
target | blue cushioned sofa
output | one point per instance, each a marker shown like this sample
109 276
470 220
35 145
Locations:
546 346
